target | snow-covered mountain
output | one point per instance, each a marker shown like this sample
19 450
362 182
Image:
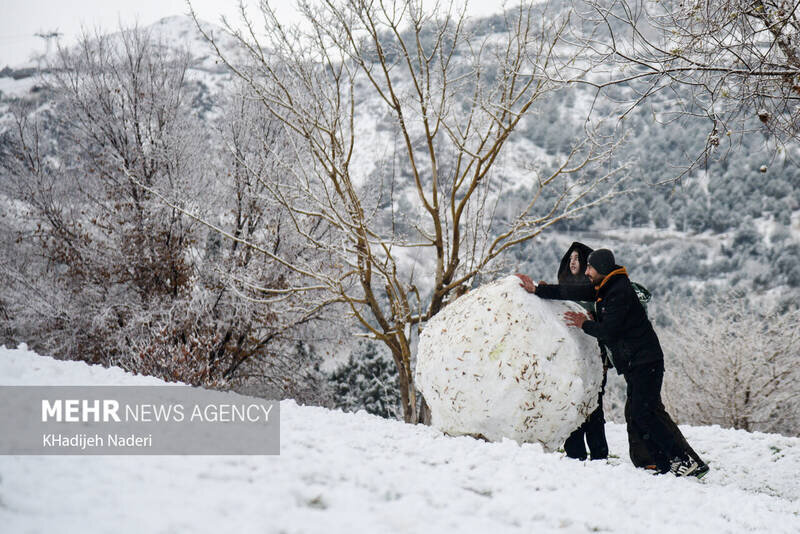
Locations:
734 221
348 473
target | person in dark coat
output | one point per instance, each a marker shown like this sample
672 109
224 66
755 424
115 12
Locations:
571 271
621 324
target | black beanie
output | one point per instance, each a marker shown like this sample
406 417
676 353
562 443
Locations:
602 260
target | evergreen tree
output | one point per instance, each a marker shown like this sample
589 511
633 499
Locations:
367 381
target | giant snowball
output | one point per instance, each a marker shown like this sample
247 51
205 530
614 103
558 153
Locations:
499 362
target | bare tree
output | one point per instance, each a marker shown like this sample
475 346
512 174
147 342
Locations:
733 364
100 269
106 255
734 62
388 107
261 328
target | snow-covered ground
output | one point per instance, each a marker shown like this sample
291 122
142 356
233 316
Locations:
357 473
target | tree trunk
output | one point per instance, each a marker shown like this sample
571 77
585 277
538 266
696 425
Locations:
409 396
424 411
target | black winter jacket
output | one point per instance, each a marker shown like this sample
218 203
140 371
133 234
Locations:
621 322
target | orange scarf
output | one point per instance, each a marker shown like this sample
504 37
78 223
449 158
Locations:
615 272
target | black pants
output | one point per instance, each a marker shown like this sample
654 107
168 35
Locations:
648 420
593 430
638 449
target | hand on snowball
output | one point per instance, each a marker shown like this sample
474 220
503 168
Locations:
575 318
527 283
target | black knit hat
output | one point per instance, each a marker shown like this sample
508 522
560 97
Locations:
602 260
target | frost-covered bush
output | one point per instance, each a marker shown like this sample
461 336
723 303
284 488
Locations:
367 381
95 265
733 363
787 264
746 236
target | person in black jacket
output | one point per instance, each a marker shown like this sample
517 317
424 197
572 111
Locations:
621 325
571 271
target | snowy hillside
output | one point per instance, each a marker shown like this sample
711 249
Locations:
357 473
737 225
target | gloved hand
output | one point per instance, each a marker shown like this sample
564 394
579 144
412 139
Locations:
527 283
573 318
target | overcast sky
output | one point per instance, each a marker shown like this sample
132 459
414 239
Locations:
21 19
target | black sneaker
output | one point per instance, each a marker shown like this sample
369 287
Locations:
701 470
681 467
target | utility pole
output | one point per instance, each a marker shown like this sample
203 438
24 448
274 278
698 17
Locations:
48 37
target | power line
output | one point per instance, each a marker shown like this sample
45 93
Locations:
16 37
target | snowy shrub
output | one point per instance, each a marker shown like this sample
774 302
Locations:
288 371
660 215
102 269
746 236
367 381
787 264
687 264
733 363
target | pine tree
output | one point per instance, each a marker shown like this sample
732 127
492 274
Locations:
367 381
